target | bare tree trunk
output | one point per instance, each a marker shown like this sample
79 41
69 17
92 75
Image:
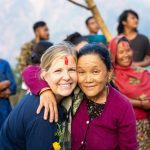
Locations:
92 6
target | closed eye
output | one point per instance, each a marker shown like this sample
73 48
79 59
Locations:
72 70
57 71
96 71
80 72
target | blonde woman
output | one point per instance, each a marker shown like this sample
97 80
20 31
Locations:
24 129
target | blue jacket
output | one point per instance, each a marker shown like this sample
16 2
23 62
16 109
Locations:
25 130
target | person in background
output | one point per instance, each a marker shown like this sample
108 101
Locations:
133 82
94 29
77 40
127 24
4 88
7 88
41 32
29 71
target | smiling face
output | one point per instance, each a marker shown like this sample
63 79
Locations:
92 75
124 54
62 76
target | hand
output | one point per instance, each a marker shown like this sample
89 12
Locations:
146 104
4 84
5 94
136 64
48 100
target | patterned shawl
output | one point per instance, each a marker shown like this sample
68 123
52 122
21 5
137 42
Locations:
71 104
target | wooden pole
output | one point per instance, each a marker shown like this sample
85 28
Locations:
92 6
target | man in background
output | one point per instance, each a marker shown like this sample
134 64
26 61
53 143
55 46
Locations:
93 28
41 32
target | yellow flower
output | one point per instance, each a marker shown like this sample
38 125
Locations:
56 146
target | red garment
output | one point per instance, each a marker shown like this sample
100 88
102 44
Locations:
134 82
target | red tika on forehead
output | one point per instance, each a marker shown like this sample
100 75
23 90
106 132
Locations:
123 44
66 60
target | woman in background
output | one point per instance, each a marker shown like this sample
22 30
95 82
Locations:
134 82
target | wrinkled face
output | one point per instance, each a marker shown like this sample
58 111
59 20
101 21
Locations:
93 26
43 33
131 22
92 75
124 54
62 76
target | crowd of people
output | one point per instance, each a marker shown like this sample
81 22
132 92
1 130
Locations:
83 93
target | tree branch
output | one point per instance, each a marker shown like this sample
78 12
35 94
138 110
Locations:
79 4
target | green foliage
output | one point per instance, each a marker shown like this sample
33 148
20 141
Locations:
20 92
58 133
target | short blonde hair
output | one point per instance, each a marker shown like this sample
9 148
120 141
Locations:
56 51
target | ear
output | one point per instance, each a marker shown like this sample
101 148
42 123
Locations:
43 74
37 32
110 75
